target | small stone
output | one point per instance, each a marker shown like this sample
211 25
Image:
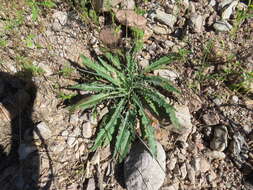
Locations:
144 63
169 43
160 30
24 150
229 10
87 130
222 26
128 4
183 171
71 141
215 155
184 118
211 176
47 70
219 140
196 164
61 17
56 27
235 99
42 131
147 33
91 184
190 173
197 23
168 74
165 18
204 165
211 118
142 171
172 163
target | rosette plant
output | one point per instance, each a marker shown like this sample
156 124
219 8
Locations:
131 94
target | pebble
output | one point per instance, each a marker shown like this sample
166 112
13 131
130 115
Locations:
87 131
191 173
215 155
128 4
165 18
222 26
168 74
219 140
71 141
42 131
56 26
183 171
204 165
91 184
160 30
169 43
197 23
61 17
229 10
47 70
142 171
196 163
172 163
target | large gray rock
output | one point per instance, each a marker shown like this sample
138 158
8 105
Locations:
142 171
165 18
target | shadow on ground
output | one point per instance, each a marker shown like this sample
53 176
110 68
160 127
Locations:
19 158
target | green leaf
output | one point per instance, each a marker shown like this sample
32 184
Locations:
147 127
93 100
105 134
161 62
161 101
95 87
162 82
114 59
100 70
122 139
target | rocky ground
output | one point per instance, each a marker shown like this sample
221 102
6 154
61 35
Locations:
43 146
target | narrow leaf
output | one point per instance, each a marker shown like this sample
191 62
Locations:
95 87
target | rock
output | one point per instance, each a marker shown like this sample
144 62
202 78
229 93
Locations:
183 171
196 163
71 141
172 163
190 173
143 63
224 3
215 155
160 30
185 126
236 144
219 140
211 118
91 184
61 17
131 18
128 4
147 33
211 176
222 26
142 171
197 23
56 27
47 70
168 74
24 150
169 43
109 36
227 12
165 18
204 165
87 130
42 131
212 3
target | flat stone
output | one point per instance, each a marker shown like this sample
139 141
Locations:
61 17
42 131
165 18
227 12
219 140
197 23
222 26
160 30
142 171
215 155
204 165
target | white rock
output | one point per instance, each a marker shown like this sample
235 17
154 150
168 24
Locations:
160 30
172 163
190 173
87 130
165 18
169 43
183 171
71 141
142 171
168 74
220 138
91 184
24 150
222 26
185 126
215 155
42 131
223 3
128 4
212 3
204 165
229 10
196 164
197 23
60 16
